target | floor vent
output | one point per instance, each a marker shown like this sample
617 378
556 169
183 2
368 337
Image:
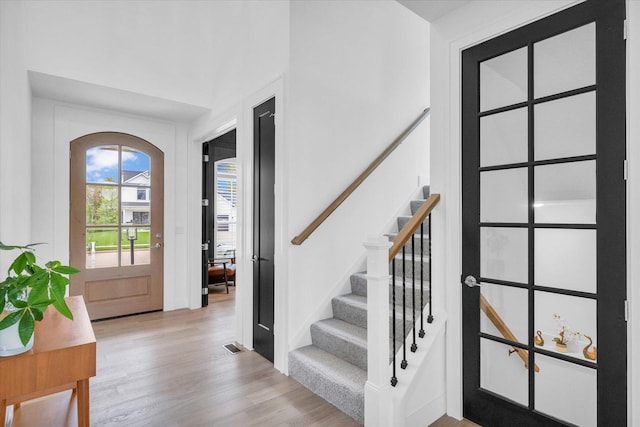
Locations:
232 349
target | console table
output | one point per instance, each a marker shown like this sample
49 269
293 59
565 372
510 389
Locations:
63 357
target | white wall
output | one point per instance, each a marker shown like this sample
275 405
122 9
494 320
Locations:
358 76
349 77
464 27
15 133
171 59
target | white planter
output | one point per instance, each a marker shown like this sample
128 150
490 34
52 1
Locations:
10 343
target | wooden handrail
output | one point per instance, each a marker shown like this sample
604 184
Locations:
502 327
412 225
359 180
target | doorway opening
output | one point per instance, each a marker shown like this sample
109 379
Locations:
219 218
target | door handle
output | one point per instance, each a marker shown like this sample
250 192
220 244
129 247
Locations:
471 282
255 258
158 245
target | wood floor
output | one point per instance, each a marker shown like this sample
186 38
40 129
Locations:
446 421
170 369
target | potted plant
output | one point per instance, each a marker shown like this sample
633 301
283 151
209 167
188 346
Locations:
25 294
565 335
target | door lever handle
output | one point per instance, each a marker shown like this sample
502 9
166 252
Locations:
255 258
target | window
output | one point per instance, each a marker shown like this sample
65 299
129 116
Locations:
225 206
118 189
141 217
223 222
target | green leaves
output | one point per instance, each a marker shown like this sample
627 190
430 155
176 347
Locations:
31 288
26 327
65 269
58 288
11 319
19 263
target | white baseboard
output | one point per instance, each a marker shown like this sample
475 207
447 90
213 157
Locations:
428 413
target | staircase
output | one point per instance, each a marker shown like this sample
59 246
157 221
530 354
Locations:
334 366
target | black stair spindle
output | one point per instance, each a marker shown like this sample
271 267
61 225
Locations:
414 346
404 362
394 379
421 334
430 318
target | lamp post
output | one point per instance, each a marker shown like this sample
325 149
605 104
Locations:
132 235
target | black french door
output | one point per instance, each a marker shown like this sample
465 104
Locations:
543 228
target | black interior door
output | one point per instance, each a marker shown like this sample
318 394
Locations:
263 227
543 229
220 148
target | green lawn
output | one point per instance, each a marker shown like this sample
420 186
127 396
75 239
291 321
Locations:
107 240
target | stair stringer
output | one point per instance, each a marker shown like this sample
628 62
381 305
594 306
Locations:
419 397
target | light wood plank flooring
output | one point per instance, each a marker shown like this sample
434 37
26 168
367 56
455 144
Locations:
446 421
170 369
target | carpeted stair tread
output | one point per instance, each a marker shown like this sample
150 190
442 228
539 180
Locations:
402 221
342 339
410 248
417 236
337 381
415 205
359 287
412 265
351 308
359 283
412 257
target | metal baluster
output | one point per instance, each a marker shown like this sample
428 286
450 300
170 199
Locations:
430 318
414 346
421 334
394 379
404 362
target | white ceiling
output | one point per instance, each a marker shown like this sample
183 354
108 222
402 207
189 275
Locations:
97 96
431 10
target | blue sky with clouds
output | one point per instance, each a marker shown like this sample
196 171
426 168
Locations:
102 162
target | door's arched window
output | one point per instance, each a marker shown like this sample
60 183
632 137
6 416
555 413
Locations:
118 206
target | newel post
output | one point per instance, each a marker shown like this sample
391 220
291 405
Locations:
377 391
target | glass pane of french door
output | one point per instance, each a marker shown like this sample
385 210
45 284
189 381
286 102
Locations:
536 229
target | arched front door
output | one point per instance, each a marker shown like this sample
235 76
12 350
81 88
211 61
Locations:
117 224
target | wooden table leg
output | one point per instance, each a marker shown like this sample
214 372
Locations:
3 412
83 402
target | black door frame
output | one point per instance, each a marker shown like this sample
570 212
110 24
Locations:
264 238
482 406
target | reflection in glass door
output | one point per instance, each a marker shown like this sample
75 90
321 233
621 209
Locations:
544 223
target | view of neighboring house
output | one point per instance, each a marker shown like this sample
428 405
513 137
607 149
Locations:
135 199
